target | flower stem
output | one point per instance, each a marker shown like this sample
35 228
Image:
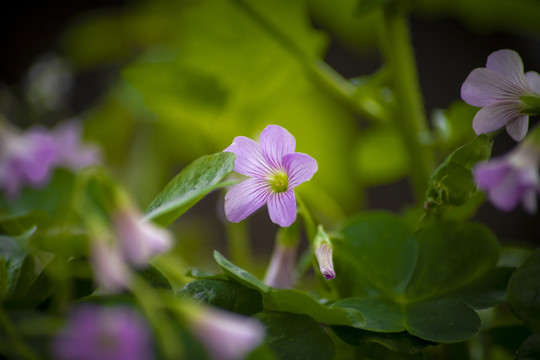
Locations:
409 116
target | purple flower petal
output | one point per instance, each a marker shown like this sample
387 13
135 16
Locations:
299 167
282 208
508 63
110 270
491 173
533 79
506 195
495 116
484 87
245 198
276 142
249 159
517 127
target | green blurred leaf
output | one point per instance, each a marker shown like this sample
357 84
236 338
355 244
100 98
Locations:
452 126
190 186
227 295
380 156
292 336
524 291
154 277
452 193
365 6
425 283
17 261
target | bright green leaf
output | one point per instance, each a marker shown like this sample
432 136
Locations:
189 186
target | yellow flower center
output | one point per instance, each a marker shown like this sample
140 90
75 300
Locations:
279 182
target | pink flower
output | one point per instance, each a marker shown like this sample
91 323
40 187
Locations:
323 253
105 333
111 272
281 271
226 336
274 170
511 179
139 239
25 158
70 152
499 89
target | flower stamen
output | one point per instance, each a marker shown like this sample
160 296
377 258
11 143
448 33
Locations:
279 182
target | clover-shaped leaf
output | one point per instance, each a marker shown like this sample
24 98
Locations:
427 283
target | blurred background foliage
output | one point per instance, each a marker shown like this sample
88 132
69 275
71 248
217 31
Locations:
160 83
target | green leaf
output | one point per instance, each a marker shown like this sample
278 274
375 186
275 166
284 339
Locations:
524 291
228 295
370 237
452 126
425 283
189 186
452 193
288 300
19 264
399 341
292 336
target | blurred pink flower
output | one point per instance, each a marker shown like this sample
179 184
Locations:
274 170
281 271
226 335
111 272
104 333
139 239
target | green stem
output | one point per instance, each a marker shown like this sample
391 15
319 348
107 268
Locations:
409 113
309 223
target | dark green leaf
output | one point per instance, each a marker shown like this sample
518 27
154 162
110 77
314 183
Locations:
19 264
524 291
228 295
370 239
444 320
399 341
292 336
453 270
189 186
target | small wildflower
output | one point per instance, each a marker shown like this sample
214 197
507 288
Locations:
225 335
511 179
323 252
139 238
25 158
105 333
281 271
501 89
274 170
110 269
70 151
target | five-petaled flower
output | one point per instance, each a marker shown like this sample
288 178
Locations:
511 179
274 170
501 89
